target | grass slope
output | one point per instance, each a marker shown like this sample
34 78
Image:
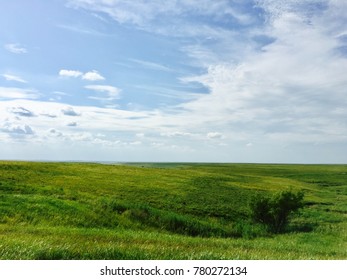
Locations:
166 211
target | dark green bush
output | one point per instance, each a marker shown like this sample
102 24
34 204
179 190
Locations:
275 211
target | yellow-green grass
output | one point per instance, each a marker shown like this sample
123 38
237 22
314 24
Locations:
166 211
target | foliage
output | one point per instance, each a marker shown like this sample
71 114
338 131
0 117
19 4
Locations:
275 211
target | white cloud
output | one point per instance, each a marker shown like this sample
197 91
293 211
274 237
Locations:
89 76
48 115
92 76
14 78
100 128
69 111
17 93
22 112
55 133
17 129
72 124
70 73
112 91
15 48
214 135
176 134
292 84
81 136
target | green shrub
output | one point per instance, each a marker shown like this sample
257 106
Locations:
275 211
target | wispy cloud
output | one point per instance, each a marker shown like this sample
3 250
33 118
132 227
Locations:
14 78
15 48
290 85
82 30
106 94
152 65
111 91
18 93
145 13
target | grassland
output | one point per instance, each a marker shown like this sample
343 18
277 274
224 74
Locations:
166 211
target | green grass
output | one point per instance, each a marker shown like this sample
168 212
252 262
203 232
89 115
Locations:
166 211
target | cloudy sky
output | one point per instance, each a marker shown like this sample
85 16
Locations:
181 80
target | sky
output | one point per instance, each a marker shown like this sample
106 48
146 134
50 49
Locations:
188 81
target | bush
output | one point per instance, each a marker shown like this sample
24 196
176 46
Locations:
275 211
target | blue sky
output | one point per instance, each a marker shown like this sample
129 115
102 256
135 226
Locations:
212 81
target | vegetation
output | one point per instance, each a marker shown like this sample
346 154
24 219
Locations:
274 212
172 211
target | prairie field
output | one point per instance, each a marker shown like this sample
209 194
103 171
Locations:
59 210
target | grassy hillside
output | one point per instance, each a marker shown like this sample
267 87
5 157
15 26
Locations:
166 211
